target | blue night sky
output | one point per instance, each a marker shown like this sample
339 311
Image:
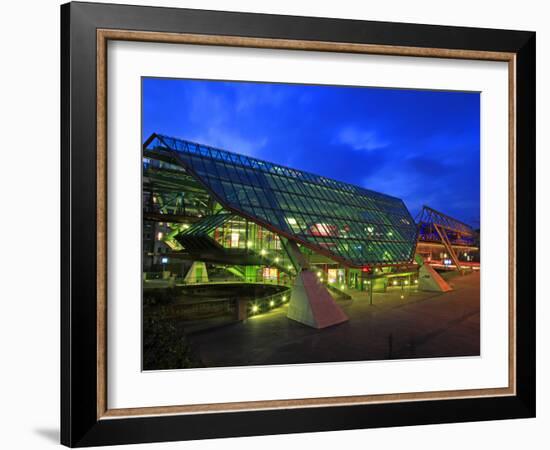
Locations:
421 146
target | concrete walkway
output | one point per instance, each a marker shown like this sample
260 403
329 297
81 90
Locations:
420 325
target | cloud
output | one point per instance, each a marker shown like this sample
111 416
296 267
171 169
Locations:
360 139
248 98
230 140
441 189
209 117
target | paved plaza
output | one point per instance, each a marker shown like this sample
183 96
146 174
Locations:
419 325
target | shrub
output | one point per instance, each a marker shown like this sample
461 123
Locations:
165 346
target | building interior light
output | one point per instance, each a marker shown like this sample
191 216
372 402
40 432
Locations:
234 239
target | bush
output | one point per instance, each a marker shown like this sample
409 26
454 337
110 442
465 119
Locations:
165 346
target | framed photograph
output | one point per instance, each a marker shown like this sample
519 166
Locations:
276 224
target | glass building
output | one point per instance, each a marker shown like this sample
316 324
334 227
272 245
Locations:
252 208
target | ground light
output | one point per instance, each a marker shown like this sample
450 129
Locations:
255 308
272 303
284 298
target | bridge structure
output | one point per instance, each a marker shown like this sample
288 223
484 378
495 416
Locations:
439 229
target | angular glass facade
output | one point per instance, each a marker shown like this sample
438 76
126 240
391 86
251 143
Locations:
347 223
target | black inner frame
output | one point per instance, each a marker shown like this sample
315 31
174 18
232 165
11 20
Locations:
79 424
